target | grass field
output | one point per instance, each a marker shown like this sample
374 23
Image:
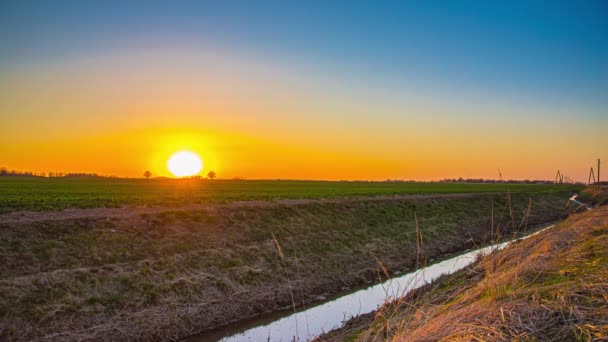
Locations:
41 194
168 272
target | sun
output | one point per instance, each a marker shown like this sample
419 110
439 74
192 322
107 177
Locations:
184 164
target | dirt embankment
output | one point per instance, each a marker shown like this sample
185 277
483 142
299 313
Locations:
594 196
135 212
159 274
551 287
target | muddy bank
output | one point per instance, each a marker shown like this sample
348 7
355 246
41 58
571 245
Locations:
171 273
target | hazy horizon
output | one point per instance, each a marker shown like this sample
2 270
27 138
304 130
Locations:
328 91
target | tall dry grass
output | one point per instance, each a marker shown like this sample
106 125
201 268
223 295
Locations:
552 286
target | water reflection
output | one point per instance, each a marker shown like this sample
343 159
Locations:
310 322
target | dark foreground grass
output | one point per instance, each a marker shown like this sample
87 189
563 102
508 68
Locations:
42 194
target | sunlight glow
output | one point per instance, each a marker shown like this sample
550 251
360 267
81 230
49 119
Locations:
184 164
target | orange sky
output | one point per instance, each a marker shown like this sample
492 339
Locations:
125 111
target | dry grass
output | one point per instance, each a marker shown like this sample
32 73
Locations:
595 196
553 286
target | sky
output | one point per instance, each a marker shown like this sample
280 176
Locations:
306 90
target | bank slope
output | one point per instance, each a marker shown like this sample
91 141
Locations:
166 273
551 287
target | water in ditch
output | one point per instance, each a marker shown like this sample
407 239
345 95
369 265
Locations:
309 322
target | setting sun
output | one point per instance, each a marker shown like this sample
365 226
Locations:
184 163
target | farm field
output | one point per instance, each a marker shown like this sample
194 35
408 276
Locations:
170 271
40 194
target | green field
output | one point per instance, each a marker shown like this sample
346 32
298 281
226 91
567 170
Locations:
27 193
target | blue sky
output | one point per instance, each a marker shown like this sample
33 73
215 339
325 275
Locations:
548 50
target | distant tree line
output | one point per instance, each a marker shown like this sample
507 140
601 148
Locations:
506 181
82 175
482 180
5 172
210 176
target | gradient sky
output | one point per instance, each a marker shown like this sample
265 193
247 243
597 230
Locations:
312 89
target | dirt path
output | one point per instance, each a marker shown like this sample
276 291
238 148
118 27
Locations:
135 211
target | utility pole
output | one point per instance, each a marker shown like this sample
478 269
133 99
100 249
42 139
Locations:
591 175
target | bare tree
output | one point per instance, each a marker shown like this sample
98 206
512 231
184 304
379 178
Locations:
147 174
211 175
